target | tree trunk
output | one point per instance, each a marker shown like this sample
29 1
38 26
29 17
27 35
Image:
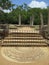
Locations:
41 17
19 19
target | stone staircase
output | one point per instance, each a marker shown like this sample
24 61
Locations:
24 39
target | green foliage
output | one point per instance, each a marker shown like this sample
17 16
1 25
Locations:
25 13
5 4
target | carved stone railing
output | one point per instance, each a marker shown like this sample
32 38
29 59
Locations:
3 31
44 32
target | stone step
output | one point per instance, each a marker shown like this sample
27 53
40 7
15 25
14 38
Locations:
23 31
24 35
24 41
24 38
16 44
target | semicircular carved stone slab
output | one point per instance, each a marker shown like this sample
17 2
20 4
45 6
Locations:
25 54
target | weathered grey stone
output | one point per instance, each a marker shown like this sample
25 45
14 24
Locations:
41 18
32 20
19 19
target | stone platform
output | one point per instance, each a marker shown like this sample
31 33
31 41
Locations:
15 55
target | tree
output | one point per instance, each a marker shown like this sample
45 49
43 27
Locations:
48 19
19 10
5 4
25 16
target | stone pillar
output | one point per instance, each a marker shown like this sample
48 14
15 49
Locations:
1 9
32 20
41 18
48 19
19 19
